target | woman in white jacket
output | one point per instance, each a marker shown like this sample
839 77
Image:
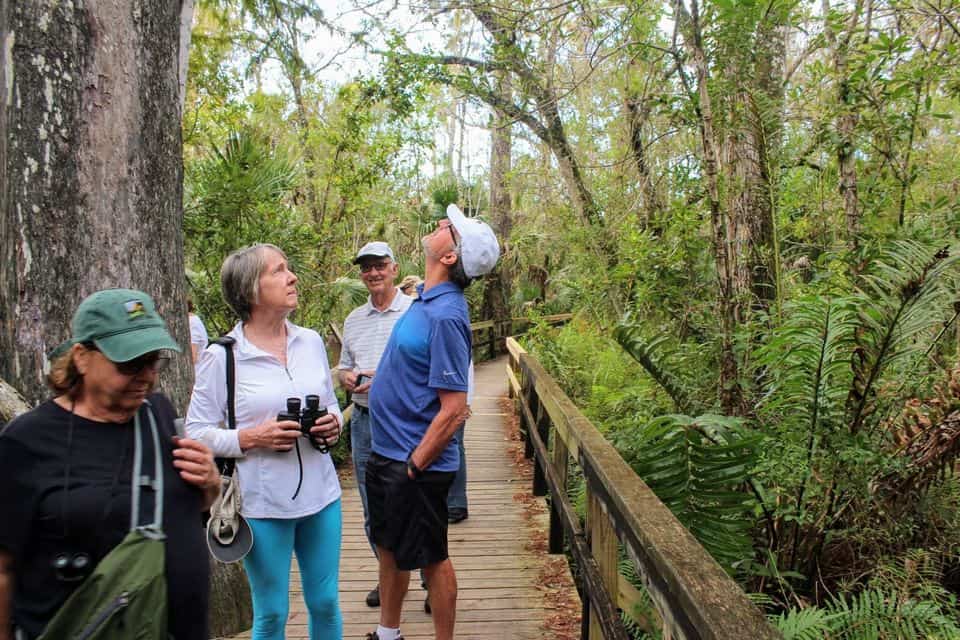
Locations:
289 488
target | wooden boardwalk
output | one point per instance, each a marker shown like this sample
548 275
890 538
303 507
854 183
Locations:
509 588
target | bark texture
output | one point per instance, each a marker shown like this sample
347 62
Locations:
92 170
496 293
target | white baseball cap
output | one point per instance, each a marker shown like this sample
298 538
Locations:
376 249
479 249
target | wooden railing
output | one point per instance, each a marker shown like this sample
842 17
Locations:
692 594
488 342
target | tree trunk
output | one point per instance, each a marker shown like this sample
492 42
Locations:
90 175
12 403
496 293
186 30
231 609
731 396
846 122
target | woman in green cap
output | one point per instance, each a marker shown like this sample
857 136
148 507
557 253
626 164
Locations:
67 499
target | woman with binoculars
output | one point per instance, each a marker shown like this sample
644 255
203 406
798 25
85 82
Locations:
289 488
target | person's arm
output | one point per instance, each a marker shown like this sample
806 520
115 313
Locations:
194 461
6 595
453 411
195 351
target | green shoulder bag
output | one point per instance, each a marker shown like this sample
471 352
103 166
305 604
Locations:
125 597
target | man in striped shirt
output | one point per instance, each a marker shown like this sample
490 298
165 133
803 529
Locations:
365 334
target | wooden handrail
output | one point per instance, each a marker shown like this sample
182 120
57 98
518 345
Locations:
493 337
693 595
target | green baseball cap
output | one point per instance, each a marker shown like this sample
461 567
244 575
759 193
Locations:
122 323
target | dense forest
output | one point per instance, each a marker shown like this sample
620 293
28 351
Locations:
751 207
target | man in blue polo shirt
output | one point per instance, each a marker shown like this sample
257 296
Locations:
417 402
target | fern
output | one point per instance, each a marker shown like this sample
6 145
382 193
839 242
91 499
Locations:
808 367
697 467
812 623
901 295
873 614
650 354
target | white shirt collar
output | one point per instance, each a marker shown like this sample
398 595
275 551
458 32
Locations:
246 349
395 304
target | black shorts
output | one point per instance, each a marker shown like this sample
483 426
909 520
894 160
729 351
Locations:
408 517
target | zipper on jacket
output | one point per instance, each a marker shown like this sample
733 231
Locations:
118 604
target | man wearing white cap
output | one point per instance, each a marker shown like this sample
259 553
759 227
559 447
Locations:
417 402
365 334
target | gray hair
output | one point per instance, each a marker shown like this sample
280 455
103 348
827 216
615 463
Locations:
240 277
457 275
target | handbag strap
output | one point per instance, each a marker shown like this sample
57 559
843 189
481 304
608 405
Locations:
139 480
227 343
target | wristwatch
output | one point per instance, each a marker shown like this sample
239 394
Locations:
414 470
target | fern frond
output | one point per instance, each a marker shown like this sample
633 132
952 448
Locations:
875 614
812 623
697 467
902 294
650 354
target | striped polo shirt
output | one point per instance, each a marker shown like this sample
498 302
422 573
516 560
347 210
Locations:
365 334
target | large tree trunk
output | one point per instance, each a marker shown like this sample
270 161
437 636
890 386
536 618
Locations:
90 174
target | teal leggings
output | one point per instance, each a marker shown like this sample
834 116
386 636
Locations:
316 541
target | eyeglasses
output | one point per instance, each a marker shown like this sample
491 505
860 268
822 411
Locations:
370 266
453 234
155 361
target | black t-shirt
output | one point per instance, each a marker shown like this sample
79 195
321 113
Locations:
39 519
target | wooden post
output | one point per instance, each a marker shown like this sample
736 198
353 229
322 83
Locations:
560 465
543 429
493 340
528 399
603 545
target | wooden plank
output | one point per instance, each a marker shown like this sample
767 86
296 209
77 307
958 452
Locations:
560 461
603 545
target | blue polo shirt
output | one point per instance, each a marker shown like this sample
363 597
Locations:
428 350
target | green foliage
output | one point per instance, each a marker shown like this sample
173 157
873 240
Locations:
236 196
869 615
697 467
650 354
902 296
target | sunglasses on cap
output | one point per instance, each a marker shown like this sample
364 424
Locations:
155 361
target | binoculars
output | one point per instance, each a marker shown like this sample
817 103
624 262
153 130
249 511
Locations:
307 417
71 567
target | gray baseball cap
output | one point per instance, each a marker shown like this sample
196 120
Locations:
376 249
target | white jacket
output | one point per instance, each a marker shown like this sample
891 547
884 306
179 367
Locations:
268 479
